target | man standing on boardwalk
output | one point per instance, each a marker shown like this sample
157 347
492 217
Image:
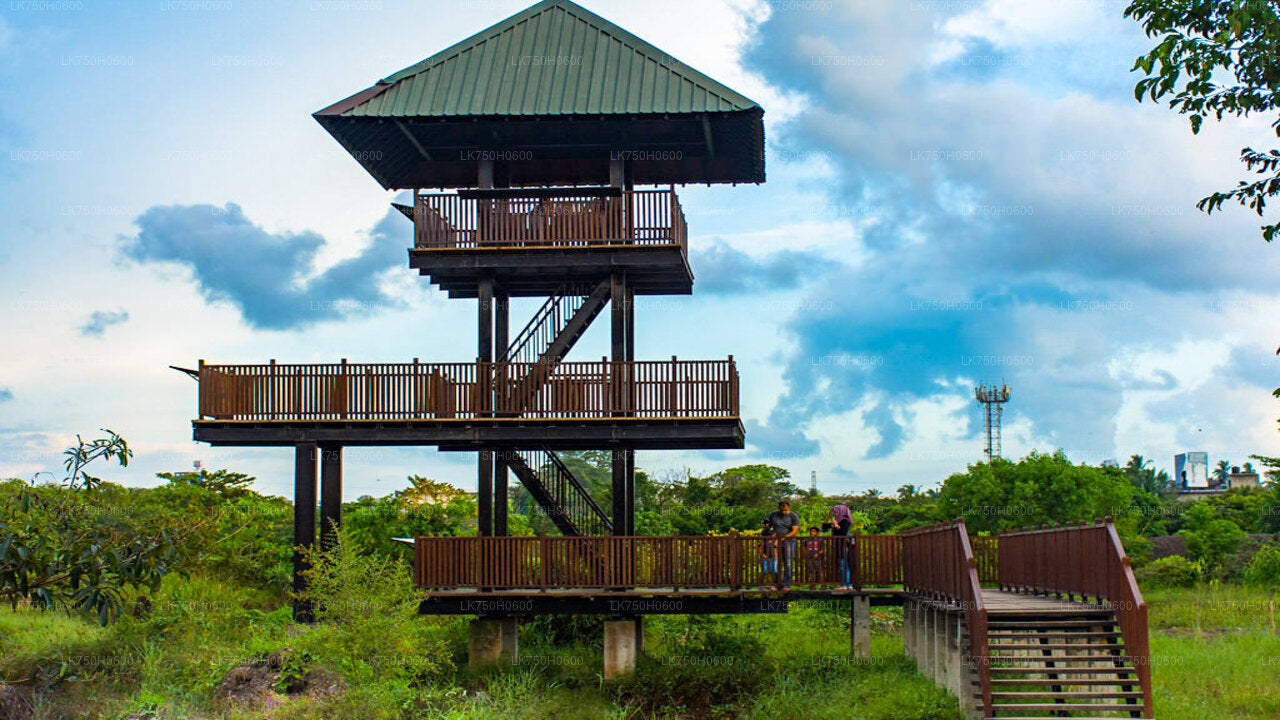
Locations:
785 525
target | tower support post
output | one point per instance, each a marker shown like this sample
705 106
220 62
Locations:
304 524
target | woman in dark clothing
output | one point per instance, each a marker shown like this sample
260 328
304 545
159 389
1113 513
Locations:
842 526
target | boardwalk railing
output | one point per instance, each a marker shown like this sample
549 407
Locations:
665 561
1088 561
938 562
467 391
639 217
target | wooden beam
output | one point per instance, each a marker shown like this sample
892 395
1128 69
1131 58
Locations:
571 434
619 492
484 493
304 523
330 494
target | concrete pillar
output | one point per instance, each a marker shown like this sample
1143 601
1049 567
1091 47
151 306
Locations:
484 642
940 647
509 652
860 626
619 648
639 635
909 629
930 643
955 660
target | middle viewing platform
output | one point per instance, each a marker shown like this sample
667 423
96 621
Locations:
533 241
463 406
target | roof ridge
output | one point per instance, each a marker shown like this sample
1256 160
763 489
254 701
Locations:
615 32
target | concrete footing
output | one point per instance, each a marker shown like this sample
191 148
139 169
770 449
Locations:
493 641
933 637
622 642
860 627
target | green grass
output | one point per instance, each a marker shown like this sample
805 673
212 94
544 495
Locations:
1213 656
1213 653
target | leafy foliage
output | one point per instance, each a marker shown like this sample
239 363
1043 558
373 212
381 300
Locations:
1210 539
368 607
79 457
1173 571
64 547
1217 58
1039 489
1264 568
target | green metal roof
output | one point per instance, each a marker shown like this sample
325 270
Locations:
554 58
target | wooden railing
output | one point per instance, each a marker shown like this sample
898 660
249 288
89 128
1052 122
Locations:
559 493
638 217
727 561
938 562
655 561
467 391
1084 560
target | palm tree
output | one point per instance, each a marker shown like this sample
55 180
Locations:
1221 472
1136 464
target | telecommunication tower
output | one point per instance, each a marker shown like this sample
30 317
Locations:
993 399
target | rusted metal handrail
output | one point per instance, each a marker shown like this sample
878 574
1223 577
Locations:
444 221
1085 560
673 389
939 563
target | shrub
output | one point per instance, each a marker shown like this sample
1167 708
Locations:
1264 569
1174 571
367 608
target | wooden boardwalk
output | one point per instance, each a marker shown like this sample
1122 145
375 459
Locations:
1004 602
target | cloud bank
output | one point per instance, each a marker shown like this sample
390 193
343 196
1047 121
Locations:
267 276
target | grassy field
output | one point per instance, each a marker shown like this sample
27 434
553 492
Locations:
1214 656
1214 653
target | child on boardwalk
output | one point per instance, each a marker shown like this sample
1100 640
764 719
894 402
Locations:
813 558
768 555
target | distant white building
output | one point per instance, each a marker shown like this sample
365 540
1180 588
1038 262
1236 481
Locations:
1191 470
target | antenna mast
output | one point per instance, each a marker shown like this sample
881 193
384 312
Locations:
993 399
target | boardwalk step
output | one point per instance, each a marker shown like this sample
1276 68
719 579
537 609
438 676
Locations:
1107 647
1029 634
1036 625
1066 670
1072 706
1063 682
1065 695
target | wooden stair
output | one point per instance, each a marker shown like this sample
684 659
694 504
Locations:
1060 664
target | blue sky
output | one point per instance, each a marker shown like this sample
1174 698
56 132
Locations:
959 192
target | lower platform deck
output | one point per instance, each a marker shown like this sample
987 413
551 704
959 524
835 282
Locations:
713 433
648 601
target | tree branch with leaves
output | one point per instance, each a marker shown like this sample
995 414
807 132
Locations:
1217 58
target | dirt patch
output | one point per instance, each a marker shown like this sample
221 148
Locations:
260 682
16 701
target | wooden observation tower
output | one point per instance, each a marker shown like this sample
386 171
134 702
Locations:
543 155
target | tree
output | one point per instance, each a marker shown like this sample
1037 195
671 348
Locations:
1222 472
1038 489
64 547
230 485
1210 539
111 447
1139 474
1271 473
1216 58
